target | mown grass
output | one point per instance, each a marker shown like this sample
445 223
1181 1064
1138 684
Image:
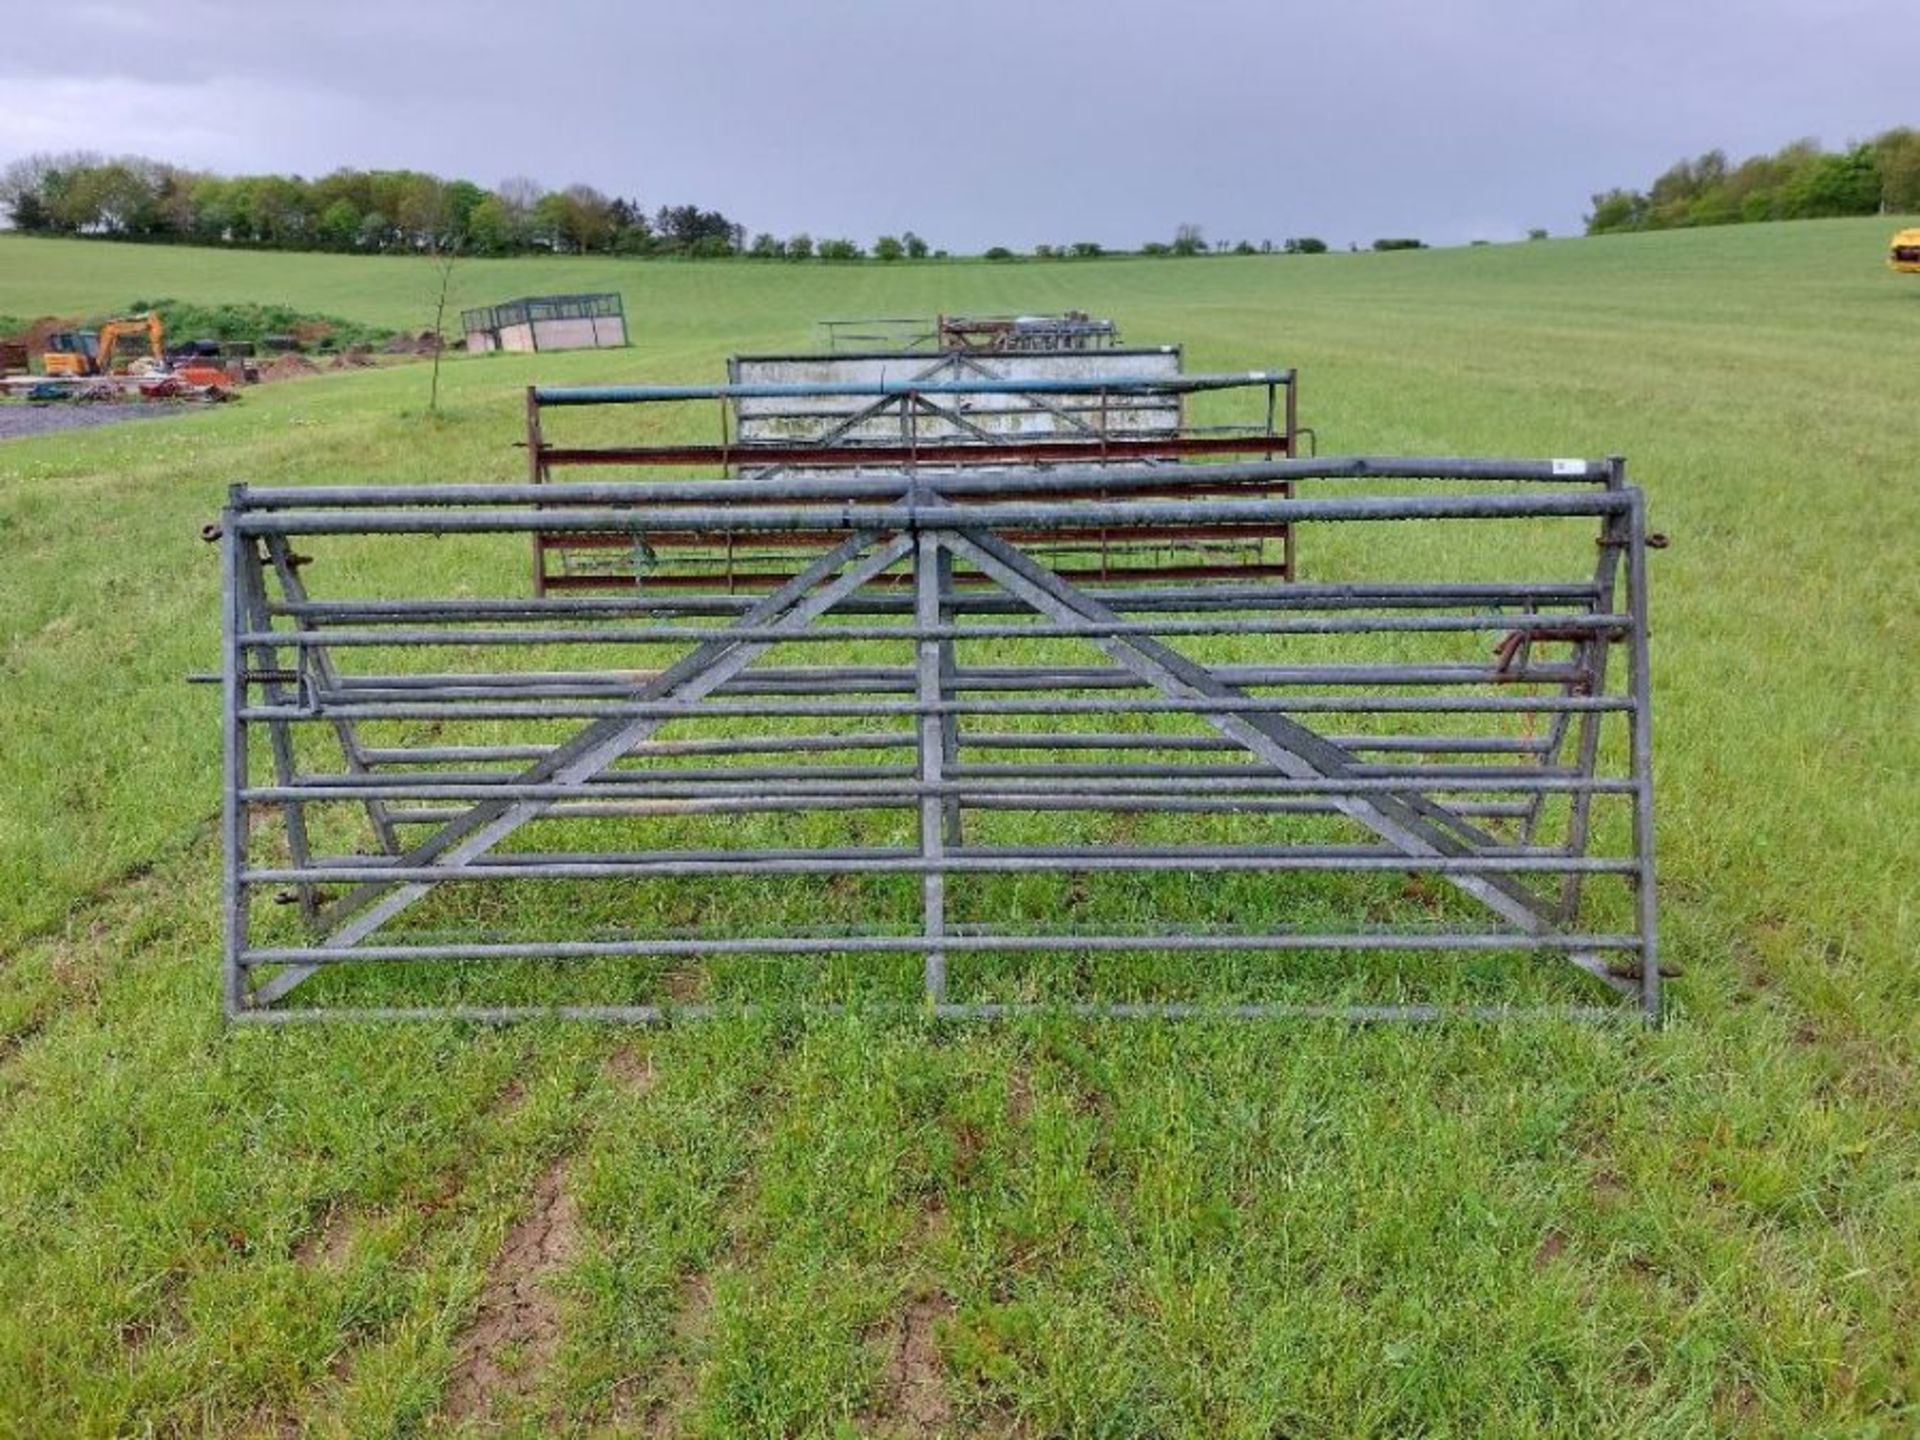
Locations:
1158 1230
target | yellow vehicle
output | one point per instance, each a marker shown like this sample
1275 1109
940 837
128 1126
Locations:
74 352
1904 253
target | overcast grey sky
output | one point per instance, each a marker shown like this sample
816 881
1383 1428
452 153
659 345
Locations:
999 122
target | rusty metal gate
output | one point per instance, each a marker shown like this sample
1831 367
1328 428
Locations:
844 413
926 769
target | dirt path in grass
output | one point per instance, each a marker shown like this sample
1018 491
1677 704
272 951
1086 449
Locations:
913 1401
516 1333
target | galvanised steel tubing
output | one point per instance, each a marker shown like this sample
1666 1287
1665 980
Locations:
1106 705
839 572
807 804
1055 784
821 681
1411 823
672 1014
234 815
931 661
1081 740
1640 687
951 864
635 776
1058 740
548 396
1191 599
1614 538
279 735
323 674
1302 941
1251 855
907 516
636 785
1611 624
896 487
825 680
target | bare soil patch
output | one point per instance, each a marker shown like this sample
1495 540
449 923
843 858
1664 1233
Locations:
516 1333
913 1402
329 1243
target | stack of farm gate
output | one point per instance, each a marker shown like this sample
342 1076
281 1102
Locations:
932 756
901 413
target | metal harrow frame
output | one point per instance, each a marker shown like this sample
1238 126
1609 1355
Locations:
611 750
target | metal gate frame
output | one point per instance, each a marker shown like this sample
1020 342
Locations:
1435 810
1092 422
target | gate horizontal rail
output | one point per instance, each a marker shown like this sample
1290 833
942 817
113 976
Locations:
1487 793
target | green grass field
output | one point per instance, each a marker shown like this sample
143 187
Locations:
855 1227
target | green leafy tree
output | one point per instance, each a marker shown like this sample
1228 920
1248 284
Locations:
889 248
491 228
1617 209
339 225
1898 153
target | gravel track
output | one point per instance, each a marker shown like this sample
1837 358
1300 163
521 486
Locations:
20 421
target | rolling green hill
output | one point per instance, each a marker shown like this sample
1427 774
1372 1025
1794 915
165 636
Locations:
849 1227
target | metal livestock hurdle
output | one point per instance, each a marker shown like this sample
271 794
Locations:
1013 412
1065 330
1410 764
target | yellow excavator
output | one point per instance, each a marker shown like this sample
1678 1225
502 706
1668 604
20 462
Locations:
77 353
1904 253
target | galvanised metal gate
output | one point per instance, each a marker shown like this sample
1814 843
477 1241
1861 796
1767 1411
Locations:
927 769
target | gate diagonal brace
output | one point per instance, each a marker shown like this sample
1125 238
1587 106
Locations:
1412 824
703 670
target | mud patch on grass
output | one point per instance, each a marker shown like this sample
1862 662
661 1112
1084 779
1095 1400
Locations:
631 1071
328 1244
1020 1094
1552 1246
516 1333
685 986
913 1397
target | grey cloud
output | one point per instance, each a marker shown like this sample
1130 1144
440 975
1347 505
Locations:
1002 121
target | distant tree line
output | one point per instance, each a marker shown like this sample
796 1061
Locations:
1798 181
135 198
131 197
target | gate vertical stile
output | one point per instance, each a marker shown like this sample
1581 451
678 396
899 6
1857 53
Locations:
1640 718
536 475
233 695
930 690
949 689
